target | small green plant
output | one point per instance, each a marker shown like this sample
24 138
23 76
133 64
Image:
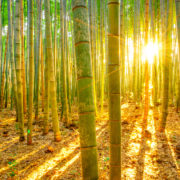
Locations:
106 159
12 165
73 172
17 126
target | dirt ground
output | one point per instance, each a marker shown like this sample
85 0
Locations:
146 153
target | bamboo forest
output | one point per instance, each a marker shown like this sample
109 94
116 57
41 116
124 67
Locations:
89 89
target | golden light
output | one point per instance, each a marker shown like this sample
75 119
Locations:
24 157
172 151
150 51
57 158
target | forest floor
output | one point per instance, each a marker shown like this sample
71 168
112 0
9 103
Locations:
146 153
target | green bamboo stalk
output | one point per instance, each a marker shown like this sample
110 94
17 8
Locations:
57 136
22 55
146 103
85 91
64 100
178 31
0 48
11 46
122 47
31 72
92 28
102 54
55 32
166 62
46 95
17 54
38 58
8 75
155 69
135 60
42 72
3 73
114 88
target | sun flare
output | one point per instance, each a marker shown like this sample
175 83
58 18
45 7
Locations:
150 51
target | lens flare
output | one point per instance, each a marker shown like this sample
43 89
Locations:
150 51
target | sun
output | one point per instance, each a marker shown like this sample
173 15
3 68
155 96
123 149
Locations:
150 51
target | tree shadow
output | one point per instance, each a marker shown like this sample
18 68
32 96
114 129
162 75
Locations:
165 160
70 167
56 171
126 132
71 173
141 155
61 163
23 165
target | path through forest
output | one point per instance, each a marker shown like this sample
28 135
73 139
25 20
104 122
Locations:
146 153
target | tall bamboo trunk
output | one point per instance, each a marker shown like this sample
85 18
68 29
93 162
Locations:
17 54
38 58
155 69
31 72
102 53
22 55
178 31
85 91
53 100
42 73
135 60
7 87
46 95
114 88
55 32
146 104
3 73
166 62
163 30
11 46
0 45
65 111
139 62
92 28
122 48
